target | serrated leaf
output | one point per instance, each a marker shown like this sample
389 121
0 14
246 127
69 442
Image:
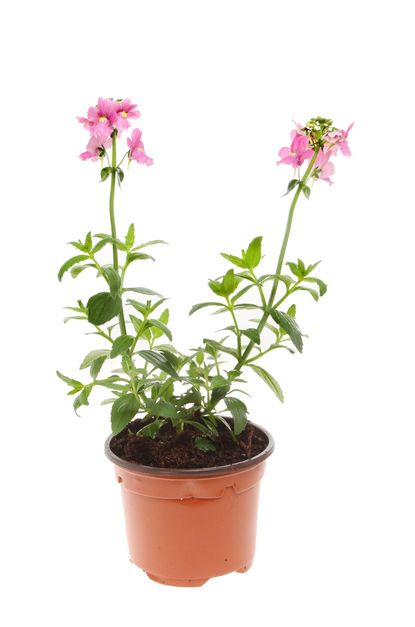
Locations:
69 263
238 410
292 310
123 411
269 380
253 254
130 237
289 325
102 307
121 345
237 261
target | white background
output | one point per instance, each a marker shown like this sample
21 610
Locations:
217 84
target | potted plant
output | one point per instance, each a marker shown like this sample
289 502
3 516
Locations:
188 459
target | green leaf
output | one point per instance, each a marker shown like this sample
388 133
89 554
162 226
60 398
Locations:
253 254
269 380
241 292
313 293
123 411
204 445
293 183
292 310
81 399
88 242
220 347
150 243
252 334
301 267
111 240
294 269
151 430
161 327
96 366
312 267
72 382
142 309
306 191
216 287
136 257
230 282
218 382
102 307
162 408
159 360
130 237
321 285
76 270
105 172
112 278
237 261
202 305
289 325
120 176
218 394
121 345
92 356
69 263
238 410
142 290
163 319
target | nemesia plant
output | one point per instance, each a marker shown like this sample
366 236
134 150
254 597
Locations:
147 375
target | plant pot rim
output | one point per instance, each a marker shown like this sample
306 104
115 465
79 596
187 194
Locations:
194 472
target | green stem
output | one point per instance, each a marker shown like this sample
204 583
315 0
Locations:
112 220
235 322
265 316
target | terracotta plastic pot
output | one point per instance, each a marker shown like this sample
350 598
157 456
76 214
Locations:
186 526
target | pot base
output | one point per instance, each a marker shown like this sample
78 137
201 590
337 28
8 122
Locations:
188 583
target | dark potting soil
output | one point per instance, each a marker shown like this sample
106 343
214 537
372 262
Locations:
177 450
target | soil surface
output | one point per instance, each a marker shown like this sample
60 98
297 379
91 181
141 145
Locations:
177 450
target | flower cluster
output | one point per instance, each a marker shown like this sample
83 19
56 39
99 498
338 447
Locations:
319 141
110 118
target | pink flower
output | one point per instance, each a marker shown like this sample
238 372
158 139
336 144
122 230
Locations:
324 167
125 112
95 146
339 139
136 147
102 118
298 152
